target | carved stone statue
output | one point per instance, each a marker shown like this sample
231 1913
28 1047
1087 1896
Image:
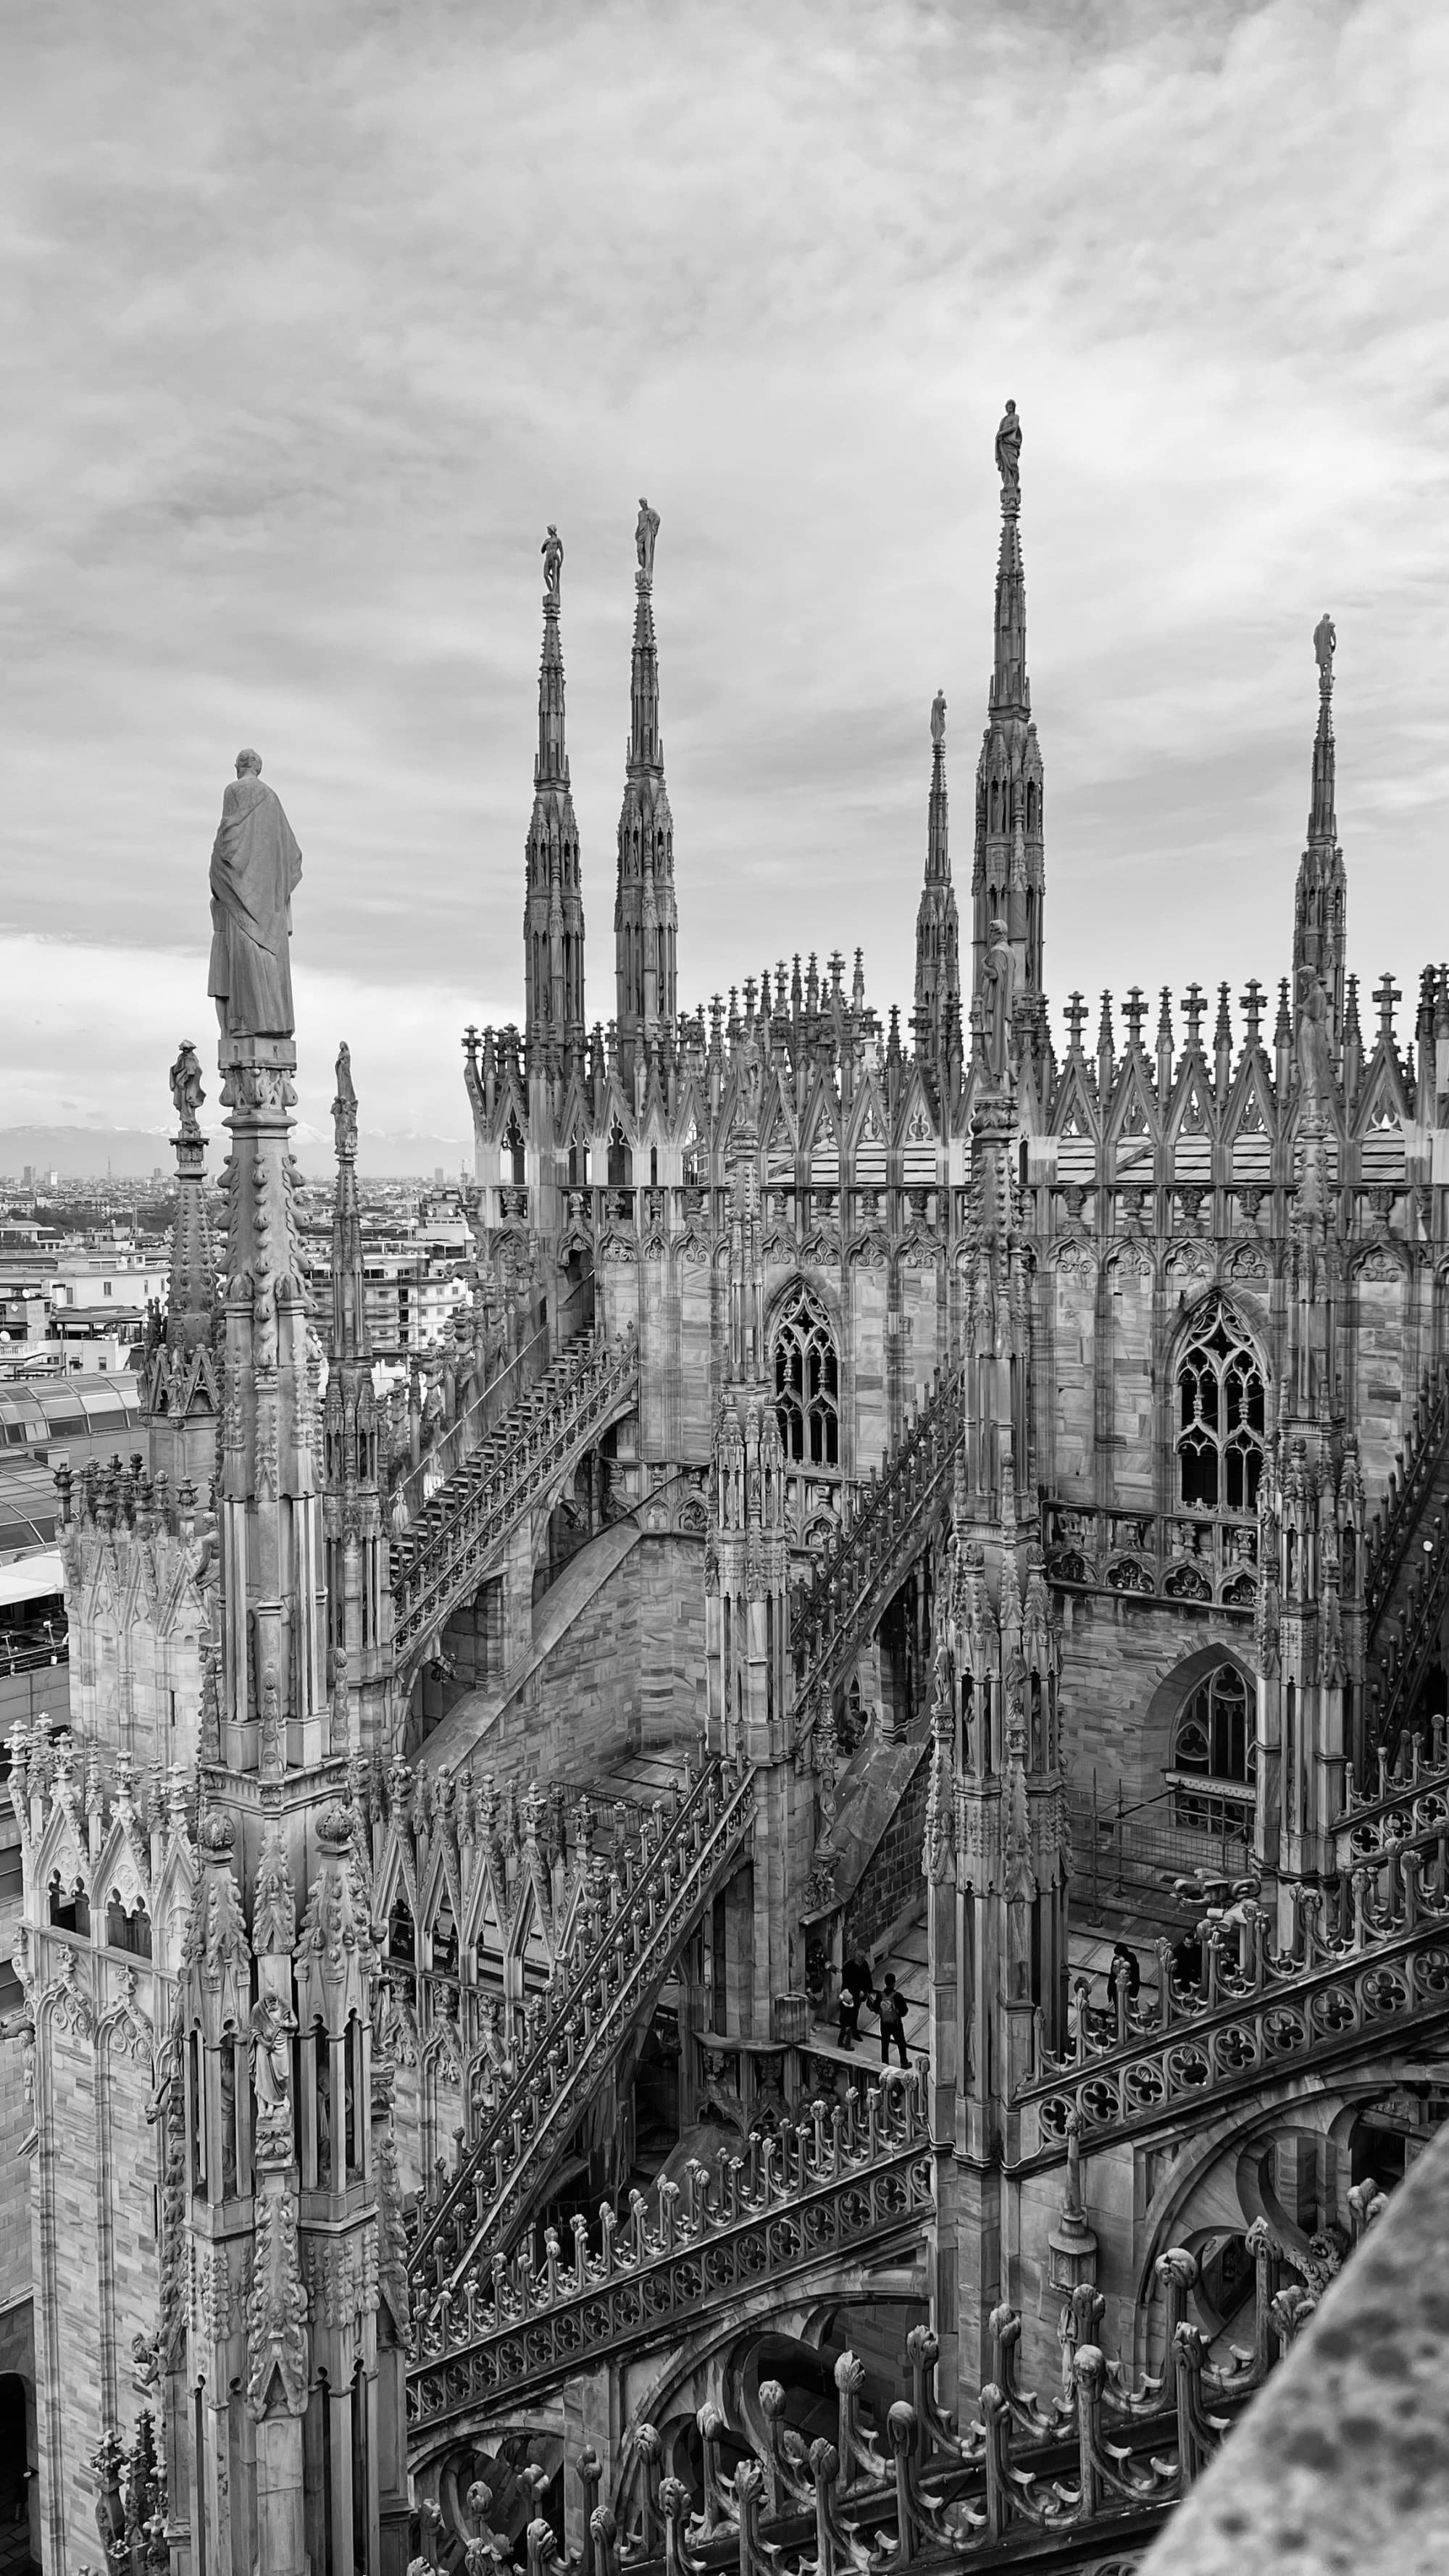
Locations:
998 990
644 536
552 563
1315 1059
186 1092
255 867
1008 452
938 718
1325 641
344 1107
271 2026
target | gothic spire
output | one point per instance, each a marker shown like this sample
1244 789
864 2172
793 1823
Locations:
181 1399
938 959
1008 880
553 916
359 1615
350 1339
1320 902
645 915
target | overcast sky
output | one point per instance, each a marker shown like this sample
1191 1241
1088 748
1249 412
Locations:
315 315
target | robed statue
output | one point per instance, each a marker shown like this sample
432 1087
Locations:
552 551
186 1092
255 866
1314 1053
644 535
344 1106
998 988
1324 643
1008 452
938 718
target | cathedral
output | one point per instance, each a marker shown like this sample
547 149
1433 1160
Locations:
796 1919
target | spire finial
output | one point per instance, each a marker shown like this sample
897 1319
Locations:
1325 641
1008 461
645 534
344 1108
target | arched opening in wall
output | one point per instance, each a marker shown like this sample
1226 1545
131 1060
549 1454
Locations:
807 1381
1213 1761
402 1939
130 1932
621 1161
578 1166
16 2470
513 1150
70 1909
1226 2279
1220 1413
656 2093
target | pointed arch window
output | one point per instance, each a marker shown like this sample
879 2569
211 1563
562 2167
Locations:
807 1381
1214 1762
1220 1414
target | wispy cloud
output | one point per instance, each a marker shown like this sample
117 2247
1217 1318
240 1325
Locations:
315 317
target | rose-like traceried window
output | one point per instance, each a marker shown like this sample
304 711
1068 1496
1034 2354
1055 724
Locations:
807 1381
1220 1415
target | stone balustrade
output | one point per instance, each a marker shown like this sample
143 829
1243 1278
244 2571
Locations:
470 1520
1342 2463
1370 1955
1411 1481
889 1522
1097 2466
613 1970
847 2178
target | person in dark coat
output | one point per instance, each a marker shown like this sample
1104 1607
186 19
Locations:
854 1991
892 2021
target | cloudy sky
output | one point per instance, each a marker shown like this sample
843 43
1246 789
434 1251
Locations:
315 315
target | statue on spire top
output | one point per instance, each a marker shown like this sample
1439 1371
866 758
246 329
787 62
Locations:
644 535
1008 454
344 1107
1325 640
552 552
186 1091
938 718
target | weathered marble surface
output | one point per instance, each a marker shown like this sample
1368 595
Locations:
1343 2462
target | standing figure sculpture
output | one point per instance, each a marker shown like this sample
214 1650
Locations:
998 990
186 1092
255 866
938 718
644 535
344 1107
552 552
1325 641
1008 454
1315 1056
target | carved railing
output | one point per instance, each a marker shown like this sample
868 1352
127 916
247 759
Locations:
1407 1806
1200 1557
469 1520
891 1521
1096 2468
613 1973
1411 1482
1404 1659
849 2177
1381 1966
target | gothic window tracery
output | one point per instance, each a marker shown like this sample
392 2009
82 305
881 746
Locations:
807 1381
1221 1423
1213 1769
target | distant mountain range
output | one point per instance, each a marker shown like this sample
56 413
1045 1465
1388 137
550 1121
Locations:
134 1153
